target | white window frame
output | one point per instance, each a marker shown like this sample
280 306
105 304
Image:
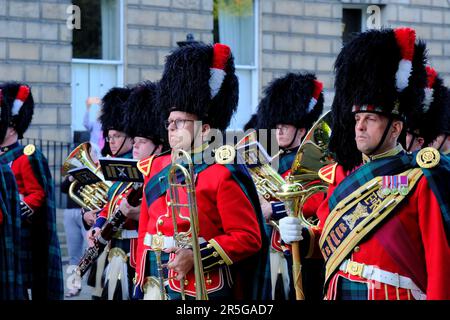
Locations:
255 67
119 63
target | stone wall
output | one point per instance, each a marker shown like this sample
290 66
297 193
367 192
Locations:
35 47
153 28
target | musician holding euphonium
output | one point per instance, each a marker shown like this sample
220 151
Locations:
198 92
291 105
119 145
139 121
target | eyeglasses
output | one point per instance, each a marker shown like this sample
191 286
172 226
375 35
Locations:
179 123
281 128
114 138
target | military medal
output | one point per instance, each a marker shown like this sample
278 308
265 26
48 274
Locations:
394 185
385 186
403 185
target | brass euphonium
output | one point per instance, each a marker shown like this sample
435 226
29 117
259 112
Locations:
299 185
180 177
311 156
266 179
303 182
92 196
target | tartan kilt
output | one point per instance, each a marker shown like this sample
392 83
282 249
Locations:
11 284
351 290
151 269
26 256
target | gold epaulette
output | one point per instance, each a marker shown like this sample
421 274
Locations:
144 165
328 173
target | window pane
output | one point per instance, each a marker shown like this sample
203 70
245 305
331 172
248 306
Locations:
351 23
99 35
244 110
234 25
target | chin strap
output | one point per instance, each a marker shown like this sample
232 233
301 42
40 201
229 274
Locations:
292 141
154 149
383 137
414 137
121 146
443 141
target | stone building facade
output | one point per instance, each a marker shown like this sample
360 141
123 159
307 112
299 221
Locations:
289 35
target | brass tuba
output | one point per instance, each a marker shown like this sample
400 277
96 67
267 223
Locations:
92 196
176 175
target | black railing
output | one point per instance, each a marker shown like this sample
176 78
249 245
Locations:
55 152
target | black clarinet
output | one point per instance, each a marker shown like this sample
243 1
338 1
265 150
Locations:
114 224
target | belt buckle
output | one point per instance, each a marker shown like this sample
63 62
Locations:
157 242
355 268
119 253
118 234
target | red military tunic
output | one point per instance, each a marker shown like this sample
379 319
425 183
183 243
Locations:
417 228
29 187
227 220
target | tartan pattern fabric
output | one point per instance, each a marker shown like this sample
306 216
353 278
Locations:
312 277
439 181
437 178
11 281
113 189
159 184
258 265
380 167
53 280
351 290
286 160
26 260
47 277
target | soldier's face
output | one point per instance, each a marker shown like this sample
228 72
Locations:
369 130
143 148
182 129
119 142
416 143
288 135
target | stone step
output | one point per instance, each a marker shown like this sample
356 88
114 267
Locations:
62 235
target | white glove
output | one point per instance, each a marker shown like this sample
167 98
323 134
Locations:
290 229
